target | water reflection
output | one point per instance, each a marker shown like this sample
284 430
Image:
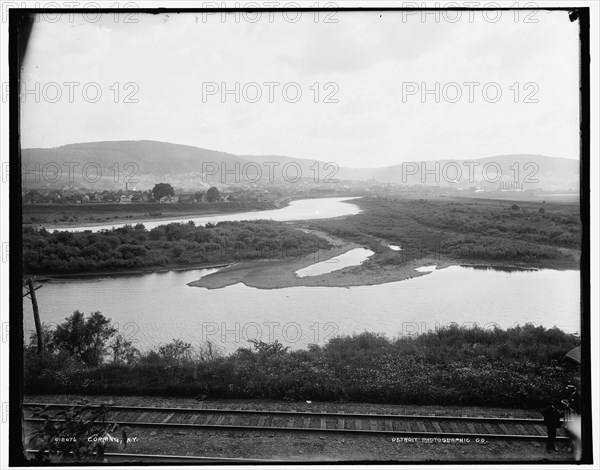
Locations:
153 309
506 269
353 257
426 269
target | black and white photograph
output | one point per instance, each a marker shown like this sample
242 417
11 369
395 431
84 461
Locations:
299 233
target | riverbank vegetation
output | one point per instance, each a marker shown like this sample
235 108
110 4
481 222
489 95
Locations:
174 244
518 367
464 230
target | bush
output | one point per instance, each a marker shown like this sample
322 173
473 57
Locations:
84 339
74 435
133 247
518 367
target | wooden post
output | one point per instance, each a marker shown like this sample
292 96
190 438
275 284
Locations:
36 316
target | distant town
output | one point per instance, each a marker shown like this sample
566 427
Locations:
267 193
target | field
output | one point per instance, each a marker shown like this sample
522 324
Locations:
440 231
464 230
69 214
516 367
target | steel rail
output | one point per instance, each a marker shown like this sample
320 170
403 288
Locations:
119 457
239 427
142 409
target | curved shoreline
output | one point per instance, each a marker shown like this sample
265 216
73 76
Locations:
132 272
281 273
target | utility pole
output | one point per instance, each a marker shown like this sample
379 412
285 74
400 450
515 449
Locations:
36 313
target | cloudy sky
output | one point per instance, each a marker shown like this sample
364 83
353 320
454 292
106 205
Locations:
360 74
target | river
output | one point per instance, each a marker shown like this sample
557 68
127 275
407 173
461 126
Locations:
302 209
153 309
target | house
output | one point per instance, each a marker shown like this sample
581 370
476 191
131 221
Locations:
168 200
125 199
136 196
52 197
188 198
33 197
85 198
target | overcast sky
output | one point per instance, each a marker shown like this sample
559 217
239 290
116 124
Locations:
375 65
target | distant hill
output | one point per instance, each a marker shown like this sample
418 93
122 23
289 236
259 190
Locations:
145 161
504 171
108 165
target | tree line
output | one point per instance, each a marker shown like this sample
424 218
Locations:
134 247
522 366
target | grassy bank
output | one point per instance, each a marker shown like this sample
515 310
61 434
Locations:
532 233
519 367
74 214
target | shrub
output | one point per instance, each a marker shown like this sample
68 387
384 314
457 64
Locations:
73 435
518 367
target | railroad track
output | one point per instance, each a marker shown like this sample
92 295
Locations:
119 457
391 425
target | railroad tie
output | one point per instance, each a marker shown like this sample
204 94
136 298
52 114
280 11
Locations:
521 428
194 419
124 416
489 428
531 431
503 428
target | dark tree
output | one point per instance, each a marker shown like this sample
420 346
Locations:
176 351
85 338
212 194
162 190
123 350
